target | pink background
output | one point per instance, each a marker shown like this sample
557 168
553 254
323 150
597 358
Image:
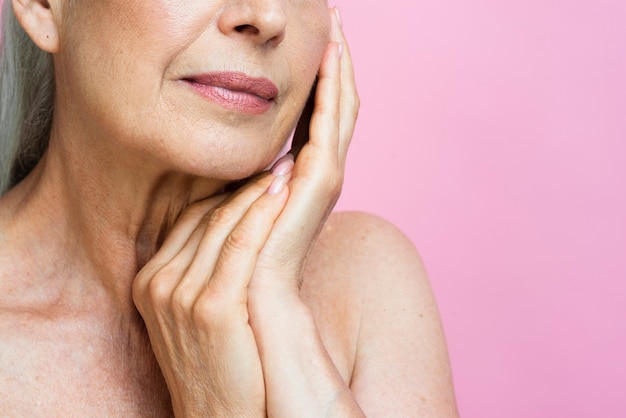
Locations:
494 134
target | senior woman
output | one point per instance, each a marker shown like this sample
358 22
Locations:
140 275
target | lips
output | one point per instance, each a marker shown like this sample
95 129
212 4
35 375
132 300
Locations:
235 91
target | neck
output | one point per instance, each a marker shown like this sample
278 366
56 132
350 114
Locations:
101 213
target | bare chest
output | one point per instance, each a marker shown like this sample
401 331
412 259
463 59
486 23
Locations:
47 372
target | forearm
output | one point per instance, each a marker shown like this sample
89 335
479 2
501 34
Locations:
300 377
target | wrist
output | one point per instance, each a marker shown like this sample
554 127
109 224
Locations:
300 377
280 315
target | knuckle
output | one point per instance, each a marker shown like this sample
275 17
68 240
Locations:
221 216
138 291
203 313
208 310
181 301
332 179
328 186
159 288
240 239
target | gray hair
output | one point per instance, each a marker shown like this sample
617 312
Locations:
26 101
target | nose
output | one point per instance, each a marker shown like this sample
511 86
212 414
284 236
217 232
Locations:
262 21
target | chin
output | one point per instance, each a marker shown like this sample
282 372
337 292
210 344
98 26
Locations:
230 150
227 165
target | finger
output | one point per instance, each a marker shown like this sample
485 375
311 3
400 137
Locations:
324 125
175 241
238 257
350 102
161 276
318 173
301 134
203 252
218 215
298 225
183 229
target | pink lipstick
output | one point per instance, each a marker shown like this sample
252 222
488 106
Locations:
236 91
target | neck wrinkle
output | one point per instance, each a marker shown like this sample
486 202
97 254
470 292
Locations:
106 220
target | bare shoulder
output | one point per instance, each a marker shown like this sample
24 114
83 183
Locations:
359 255
372 300
363 241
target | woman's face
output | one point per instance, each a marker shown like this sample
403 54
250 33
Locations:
209 87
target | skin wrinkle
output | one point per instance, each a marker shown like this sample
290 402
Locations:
215 321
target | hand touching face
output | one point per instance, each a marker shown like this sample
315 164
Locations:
215 296
206 87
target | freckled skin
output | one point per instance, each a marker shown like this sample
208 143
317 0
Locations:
120 64
132 286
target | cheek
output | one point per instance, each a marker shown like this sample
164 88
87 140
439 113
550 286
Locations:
313 30
114 52
117 77
310 28
119 33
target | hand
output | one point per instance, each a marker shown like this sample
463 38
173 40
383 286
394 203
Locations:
300 377
318 174
196 294
192 296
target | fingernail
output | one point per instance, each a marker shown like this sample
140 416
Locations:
338 15
283 166
340 49
277 186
